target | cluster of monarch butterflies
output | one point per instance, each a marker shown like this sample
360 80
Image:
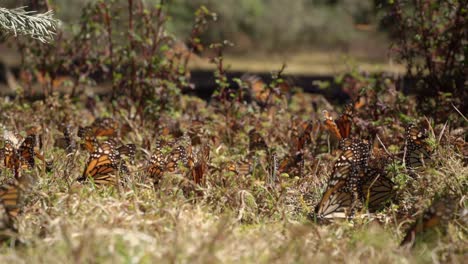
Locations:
166 157
353 183
105 162
172 157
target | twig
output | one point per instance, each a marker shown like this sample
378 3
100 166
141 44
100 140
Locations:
456 109
381 143
442 132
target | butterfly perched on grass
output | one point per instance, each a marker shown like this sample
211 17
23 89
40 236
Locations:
11 196
341 127
101 127
18 153
105 162
376 189
166 157
242 167
68 142
418 152
200 167
354 184
293 163
344 187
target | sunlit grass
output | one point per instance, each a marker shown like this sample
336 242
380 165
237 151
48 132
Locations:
313 62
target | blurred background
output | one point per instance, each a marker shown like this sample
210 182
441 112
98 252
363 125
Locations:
310 36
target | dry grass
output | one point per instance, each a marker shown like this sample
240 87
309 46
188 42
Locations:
310 62
238 220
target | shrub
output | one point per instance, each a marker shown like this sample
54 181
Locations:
430 37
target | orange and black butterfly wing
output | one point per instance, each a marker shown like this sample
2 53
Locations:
344 187
90 141
102 164
195 132
330 125
417 150
285 164
177 155
304 138
11 159
360 151
8 230
335 203
104 127
9 197
26 151
198 172
241 168
377 189
70 143
157 163
345 121
128 150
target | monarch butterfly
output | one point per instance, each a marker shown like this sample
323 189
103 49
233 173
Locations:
345 184
418 152
201 166
437 215
70 143
102 127
127 150
103 163
161 162
340 195
335 203
157 163
359 148
242 167
341 127
377 189
305 136
292 164
256 141
26 151
177 155
9 197
90 141
10 194
21 157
